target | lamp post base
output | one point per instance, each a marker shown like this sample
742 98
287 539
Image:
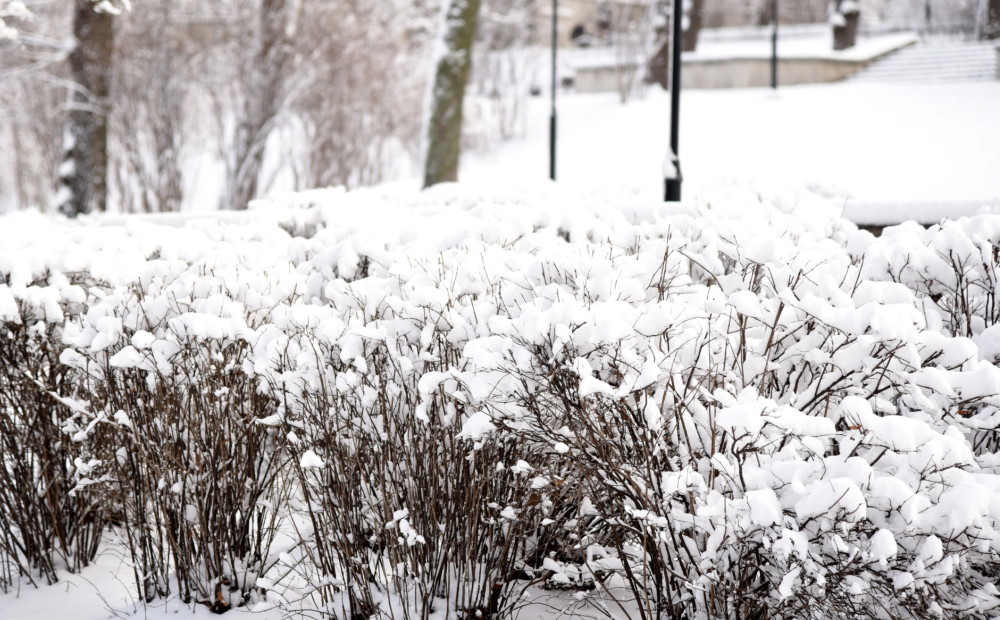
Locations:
673 190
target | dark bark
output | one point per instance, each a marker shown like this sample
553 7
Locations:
658 70
271 60
451 77
690 39
845 34
764 14
84 174
992 28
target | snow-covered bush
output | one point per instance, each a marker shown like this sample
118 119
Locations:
954 270
166 423
196 466
50 518
402 515
398 406
955 265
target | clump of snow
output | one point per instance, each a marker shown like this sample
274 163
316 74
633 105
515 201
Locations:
476 426
15 10
311 459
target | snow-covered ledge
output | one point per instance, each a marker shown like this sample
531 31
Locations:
879 213
743 64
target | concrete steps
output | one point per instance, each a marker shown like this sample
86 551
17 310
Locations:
951 61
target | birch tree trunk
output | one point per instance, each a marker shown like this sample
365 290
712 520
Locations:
83 174
451 77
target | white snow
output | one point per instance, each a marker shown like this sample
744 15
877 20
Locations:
311 460
476 426
882 152
787 585
883 545
764 507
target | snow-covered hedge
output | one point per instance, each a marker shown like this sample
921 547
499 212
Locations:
397 405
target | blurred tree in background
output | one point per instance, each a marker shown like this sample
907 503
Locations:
83 175
444 134
184 103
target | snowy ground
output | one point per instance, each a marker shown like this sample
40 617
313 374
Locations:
105 590
903 147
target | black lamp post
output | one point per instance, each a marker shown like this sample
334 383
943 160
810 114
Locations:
552 115
673 183
774 44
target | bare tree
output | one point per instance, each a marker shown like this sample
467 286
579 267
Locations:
148 134
992 22
32 106
84 171
351 99
692 28
505 65
658 67
265 75
632 35
451 77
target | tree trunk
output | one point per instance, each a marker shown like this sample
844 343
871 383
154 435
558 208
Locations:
764 14
445 131
992 27
845 24
263 99
658 69
83 175
690 39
